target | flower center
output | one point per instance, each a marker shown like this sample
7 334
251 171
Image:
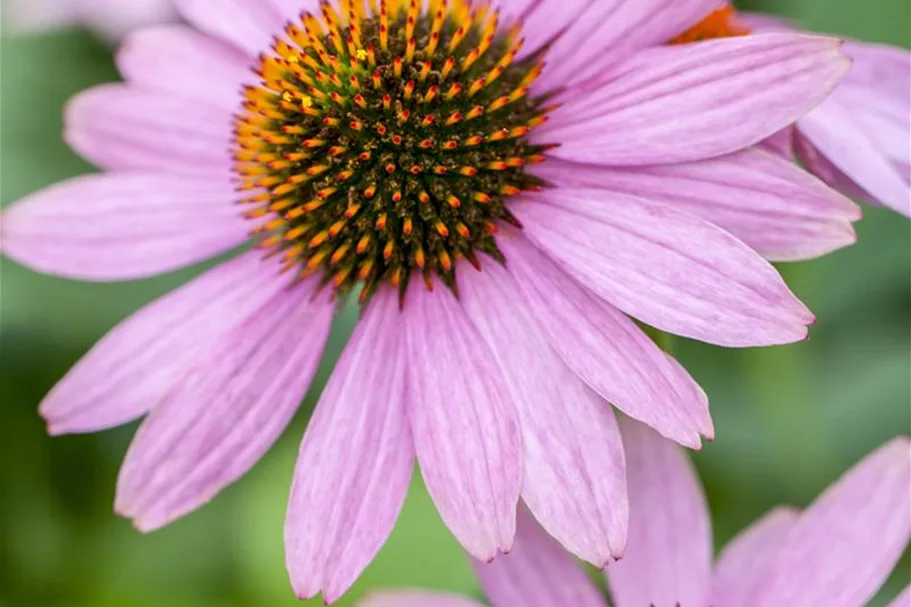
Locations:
720 23
385 142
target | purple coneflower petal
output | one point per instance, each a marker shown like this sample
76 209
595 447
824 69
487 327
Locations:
781 143
668 559
882 69
356 460
513 10
845 545
118 127
665 267
575 481
744 563
544 20
416 598
834 132
607 350
180 61
226 412
538 573
782 212
696 101
292 9
611 29
249 25
138 362
465 425
903 599
122 226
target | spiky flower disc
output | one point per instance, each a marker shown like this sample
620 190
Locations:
385 142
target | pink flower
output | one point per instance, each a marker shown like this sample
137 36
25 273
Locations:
837 552
110 18
857 139
379 152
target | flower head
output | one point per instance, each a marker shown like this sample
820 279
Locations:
837 552
500 219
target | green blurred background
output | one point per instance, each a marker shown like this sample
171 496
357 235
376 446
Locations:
789 420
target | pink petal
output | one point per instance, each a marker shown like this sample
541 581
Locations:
848 541
122 226
881 69
111 18
668 558
465 425
292 9
415 598
575 481
29 15
544 20
356 460
612 30
226 412
138 362
537 573
116 126
903 599
781 211
180 61
607 350
115 18
248 25
836 132
514 10
781 143
666 267
744 563
695 101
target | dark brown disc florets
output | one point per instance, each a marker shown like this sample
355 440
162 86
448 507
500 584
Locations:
384 141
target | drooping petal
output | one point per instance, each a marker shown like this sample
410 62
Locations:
666 267
695 101
117 127
575 481
881 70
835 133
356 460
744 563
180 61
248 25
845 545
612 30
226 412
415 598
668 558
138 362
537 573
781 211
465 425
122 226
903 599
607 350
